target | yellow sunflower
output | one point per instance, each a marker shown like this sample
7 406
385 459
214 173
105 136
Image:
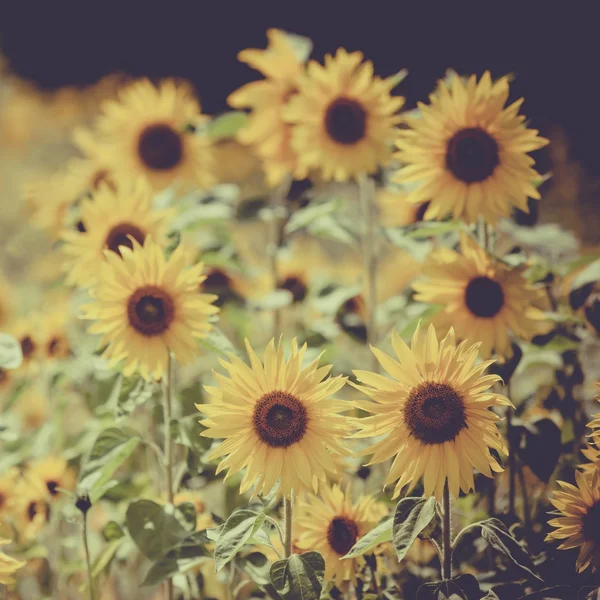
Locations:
8 565
30 506
146 305
111 220
344 117
331 524
434 413
266 130
48 207
467 153
32 407
85 176
579 520
55 474
7 490
145 132
394 209
27 331
482 298
278 420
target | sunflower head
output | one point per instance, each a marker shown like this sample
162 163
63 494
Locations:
30 507
145 306
433 413
55 474
578 523
278 420
394 209
467 153
344 118
482 298
332 523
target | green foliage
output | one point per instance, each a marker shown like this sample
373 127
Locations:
412 516
299 577
226 125
217 342
464 587
236 532
378 535
306 216
11 355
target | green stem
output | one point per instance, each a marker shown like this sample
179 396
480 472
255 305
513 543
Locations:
447 534
88 561
288 509
168 453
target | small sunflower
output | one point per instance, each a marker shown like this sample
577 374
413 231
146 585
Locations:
26 331
54 339
85 176
8 565
30 507
434 413
467 153
144 132
55 474
331 524
344 117
48 207
111 219
482 298
146 305
278 420
33 408
266 130
579 520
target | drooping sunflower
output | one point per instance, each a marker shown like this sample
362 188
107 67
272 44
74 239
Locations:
8 565
278 420
468 153
266 129
579 521
434 413
55 474
344 117
331 524
111 219
145 132
146 305
482 298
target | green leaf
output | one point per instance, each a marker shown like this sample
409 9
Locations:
257 566
134 392
216 341
560 343
237 530
112 531
305 216
299 577
497 535
11 355
155 529
433 228
379 535
189 553
412 516
226 125
186 515
589 274
105 557
111 449
463 587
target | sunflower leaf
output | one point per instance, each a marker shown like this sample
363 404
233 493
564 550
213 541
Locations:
412 516
216 341
238 529
305 216
379 535
299 577
11 355
226 125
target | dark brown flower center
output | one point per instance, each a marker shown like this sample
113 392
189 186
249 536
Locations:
280 419
420 212
52 487
342 534
346 121
591 523
160 147
150 310
434 413
32 510
80 226
484 297
121 234
56 346
27 346
472 155
296 286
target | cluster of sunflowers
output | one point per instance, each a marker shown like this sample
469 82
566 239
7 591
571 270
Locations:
318 222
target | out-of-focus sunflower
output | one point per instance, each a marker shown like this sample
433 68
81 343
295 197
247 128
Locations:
7 489
278 420
85 176
54 472
145 132
467 153
30 507
48 206
579 521
54 339
111 219
266 129
331 524
26 331
434 413
6 300
344 117
8 565
482 299
394 209
204 519
32 407
146 306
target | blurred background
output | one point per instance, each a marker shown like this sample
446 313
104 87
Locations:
57 59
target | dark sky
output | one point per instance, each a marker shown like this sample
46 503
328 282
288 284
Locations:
553 52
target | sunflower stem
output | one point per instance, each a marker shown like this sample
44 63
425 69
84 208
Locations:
512 458
447 534
366 190
288 510
88 561
168 453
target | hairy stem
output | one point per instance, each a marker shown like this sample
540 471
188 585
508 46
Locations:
168 452
88 561
447 534
288 509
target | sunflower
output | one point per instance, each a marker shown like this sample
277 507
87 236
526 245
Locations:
85 176
26 331
467 153
30 508
146 305
266 130
8 565
112 219
579 520
7 489
331 524
278 420
344 117
482 298
32 407
55 474
394 209
145 132
433 413
6 300
53 336
48 206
